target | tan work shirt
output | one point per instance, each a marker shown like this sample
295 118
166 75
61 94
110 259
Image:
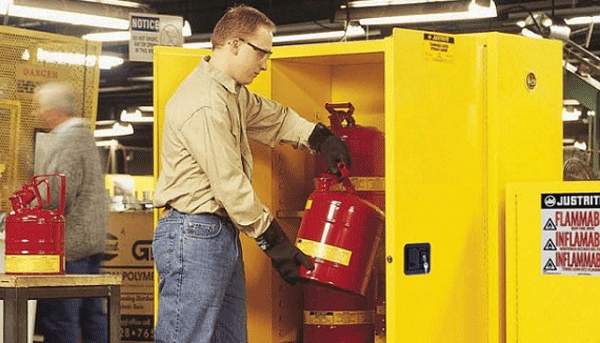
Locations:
206 159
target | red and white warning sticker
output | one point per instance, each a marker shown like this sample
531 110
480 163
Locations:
571 233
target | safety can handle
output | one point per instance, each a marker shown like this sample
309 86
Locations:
43 178
345 176
329 180
337 116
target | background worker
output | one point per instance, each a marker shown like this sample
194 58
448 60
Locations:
73 152
205 184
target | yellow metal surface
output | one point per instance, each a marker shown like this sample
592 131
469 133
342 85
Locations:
27 59
543 307
463 124
32 263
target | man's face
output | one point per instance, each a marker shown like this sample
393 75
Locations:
48 116
252 55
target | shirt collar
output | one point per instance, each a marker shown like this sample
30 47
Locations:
67 124
227 81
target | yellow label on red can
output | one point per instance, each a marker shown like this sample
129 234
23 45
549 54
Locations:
308 204
324 251
324 317
32 263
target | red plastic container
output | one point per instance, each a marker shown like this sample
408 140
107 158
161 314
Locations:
340 232
35 236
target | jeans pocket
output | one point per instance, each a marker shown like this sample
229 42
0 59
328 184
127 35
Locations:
162 247
202 230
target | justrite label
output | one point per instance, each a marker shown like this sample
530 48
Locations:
570 233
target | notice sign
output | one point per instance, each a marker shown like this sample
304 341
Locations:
148 30
571 233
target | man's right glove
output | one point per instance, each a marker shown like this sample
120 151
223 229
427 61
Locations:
333 149
285 257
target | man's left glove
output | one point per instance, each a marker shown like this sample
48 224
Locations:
285 257
333 149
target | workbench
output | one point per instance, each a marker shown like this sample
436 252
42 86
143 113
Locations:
15 290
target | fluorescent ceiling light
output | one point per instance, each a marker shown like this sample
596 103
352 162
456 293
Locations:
528 33
474 11
107 62
120 3
351 32
580 145
583 20
571 102
110 142
571 114
60 57
73 18
198 45
149 109
117 129
115 36
105 122
375 3
186 31
135 117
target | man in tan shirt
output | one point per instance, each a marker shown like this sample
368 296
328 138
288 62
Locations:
205 181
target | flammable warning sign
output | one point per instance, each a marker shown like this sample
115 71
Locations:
439 48
571 233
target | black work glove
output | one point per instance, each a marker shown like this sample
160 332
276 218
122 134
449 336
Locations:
333 149
285 257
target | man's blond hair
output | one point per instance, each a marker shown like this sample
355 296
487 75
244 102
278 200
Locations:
240 21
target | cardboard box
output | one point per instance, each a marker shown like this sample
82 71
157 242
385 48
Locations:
129 254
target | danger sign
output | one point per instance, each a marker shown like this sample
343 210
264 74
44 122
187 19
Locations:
571 234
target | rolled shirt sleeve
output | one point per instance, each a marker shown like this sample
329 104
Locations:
271 123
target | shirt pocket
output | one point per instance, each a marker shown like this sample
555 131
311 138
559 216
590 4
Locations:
202 230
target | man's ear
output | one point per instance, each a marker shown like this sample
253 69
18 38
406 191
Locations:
234 45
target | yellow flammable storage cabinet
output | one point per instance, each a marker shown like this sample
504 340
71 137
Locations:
552 261
462 114
465 114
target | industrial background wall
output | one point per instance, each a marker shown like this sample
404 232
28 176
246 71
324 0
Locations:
28 58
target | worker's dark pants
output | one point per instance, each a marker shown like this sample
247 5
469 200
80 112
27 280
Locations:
63 320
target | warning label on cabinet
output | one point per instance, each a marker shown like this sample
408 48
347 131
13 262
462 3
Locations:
571 233
439 48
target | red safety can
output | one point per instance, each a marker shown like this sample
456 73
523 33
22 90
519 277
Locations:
340 232
335 316
35 236
366 146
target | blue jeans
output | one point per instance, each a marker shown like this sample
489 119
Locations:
63 320
202 286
